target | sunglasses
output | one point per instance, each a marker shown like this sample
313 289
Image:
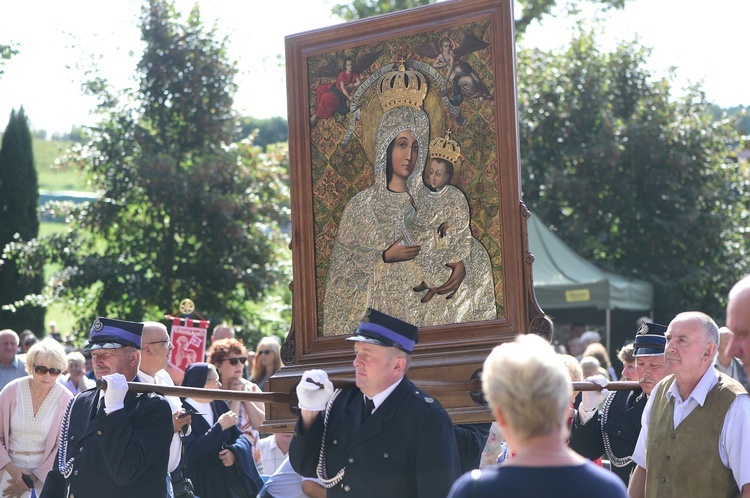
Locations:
265 351
30 342
234 361
54 372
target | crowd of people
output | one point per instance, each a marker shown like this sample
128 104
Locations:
51 413
62 436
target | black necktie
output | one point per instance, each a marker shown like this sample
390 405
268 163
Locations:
100 406
369 407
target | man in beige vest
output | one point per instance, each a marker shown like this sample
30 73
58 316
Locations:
738 321
690 415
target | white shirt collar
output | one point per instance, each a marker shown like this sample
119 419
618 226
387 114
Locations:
204 409
379 398
146 378
699 393
272 442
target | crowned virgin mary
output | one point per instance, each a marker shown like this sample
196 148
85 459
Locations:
372 258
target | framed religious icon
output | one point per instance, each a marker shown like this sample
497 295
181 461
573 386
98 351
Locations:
406 194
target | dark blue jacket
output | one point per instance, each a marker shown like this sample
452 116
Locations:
120 455
405 449
623 425
210 478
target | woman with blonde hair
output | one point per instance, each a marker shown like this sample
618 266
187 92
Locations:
31 412
267 361
528 390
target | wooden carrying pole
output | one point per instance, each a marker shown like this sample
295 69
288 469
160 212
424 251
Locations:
291 398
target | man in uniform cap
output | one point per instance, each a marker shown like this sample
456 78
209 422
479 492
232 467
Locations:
613 429
386 437
113 442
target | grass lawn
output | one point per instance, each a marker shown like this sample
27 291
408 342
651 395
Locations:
56 312
49 176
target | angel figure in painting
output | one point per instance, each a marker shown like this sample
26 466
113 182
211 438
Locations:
334 97
464 81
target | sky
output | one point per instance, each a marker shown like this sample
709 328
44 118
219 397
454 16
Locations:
58 42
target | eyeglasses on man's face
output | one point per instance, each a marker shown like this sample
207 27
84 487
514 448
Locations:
42 370
234 361
265 351
167 343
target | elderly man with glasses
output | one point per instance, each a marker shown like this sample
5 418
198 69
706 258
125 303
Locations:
155 351
113 442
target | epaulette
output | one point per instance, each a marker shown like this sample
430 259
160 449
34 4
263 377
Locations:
425 398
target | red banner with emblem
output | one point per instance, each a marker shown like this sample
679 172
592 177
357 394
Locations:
189 339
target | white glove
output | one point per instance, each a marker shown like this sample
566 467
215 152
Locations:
114 396
310 394
591 399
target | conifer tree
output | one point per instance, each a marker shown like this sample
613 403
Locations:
19 199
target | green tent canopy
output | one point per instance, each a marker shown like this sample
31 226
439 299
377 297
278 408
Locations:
564 280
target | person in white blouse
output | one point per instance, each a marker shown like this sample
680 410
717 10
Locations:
31 412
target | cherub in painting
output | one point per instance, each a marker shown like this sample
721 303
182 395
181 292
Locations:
465 83
334 97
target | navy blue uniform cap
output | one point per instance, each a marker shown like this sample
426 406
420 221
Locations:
650 340
108 333
385 330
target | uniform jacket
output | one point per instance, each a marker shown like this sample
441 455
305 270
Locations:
120 455
623 425
405 449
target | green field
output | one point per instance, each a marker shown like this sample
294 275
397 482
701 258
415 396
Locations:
50 176
56 312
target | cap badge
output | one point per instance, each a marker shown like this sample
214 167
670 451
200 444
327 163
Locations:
98 325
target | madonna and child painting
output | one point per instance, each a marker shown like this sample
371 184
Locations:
405 183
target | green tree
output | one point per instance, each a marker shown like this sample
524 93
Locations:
6 52
640 182
739 113
19 198
264 132
527 11
182 212
360 9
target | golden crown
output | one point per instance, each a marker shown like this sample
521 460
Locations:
445 148
402 88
